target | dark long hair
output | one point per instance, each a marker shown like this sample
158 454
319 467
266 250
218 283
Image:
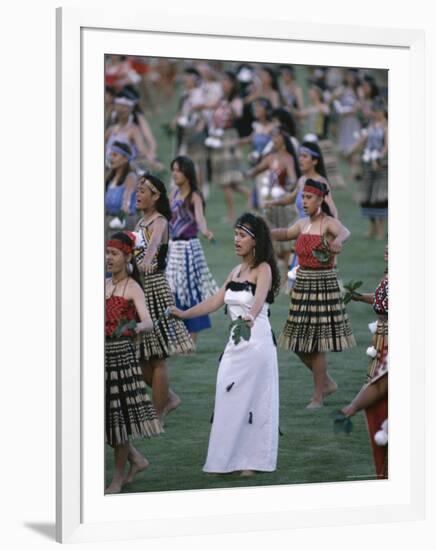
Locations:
126 169
187 167
320 167
273 75
266 104
125 239
232 77
325 190
286 120
290 149
264 250
163 203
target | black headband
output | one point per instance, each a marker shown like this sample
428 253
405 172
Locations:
246 229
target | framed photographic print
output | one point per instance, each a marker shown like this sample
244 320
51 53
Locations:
172 127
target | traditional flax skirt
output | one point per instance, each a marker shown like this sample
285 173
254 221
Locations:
189 278
129 413
193 146
227 160
378 366
281 216
317 319
331 164
374 192
169 336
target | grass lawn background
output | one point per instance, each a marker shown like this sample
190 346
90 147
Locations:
309 451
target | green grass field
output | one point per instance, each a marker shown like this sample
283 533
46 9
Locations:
309 451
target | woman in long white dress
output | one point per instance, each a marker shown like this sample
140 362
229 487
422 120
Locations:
245 424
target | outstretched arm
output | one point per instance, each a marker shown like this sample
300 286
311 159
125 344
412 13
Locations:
199 216
287 233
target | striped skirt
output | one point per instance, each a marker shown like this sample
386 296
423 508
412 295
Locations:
378 366
190 279
317 320
374 192
129 413
227 160
331 164
169 336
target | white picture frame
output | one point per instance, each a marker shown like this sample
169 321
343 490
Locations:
83 513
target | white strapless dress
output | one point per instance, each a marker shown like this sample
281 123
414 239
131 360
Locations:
245 423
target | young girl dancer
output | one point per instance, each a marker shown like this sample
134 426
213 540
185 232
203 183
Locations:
317 321
244 434
169 335
187 272
129 412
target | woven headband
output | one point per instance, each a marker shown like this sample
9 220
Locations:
246 229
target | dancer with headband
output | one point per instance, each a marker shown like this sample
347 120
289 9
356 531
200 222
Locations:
170 336
317 320
129 413
244 434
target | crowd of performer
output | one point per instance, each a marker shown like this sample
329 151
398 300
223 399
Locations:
247 129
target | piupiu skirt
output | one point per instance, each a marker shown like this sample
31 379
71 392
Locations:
378 365
169 336
317 319
129 412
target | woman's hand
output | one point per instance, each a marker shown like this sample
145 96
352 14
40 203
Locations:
176 312
209 235
249 319
144 326
147 268
335 246
269 204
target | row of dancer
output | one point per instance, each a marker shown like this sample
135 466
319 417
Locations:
220 114
310 332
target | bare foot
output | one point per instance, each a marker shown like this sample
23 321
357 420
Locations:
329 389
247 473
136 466
174 401
314 404
115 487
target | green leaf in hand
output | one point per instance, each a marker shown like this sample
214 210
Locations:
123 325
240 330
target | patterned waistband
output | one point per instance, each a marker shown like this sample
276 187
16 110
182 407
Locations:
183 238
318 269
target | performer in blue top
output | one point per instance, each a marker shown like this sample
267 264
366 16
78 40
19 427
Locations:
187 272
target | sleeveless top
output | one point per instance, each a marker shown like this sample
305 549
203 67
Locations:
304 246
144 232
113 199
260 138
183 224
376 138
118 311
279 176
247 285
380 304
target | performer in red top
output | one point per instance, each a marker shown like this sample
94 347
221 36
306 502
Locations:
373 396
317 320
129 412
